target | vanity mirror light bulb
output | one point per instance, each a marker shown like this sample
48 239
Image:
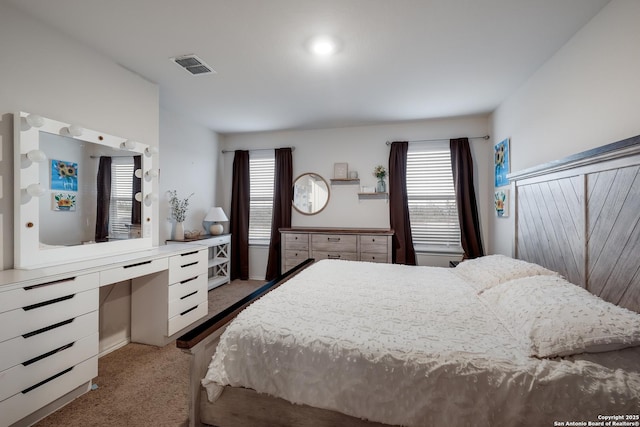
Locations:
75 130
138 196
36 156
151 173
138 174
149 151
35 120
128 144
150 198
35 190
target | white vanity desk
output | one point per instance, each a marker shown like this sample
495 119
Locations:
49 321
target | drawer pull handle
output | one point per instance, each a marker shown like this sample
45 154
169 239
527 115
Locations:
330 256
47 328
59 374
333 239
51 301
189 253
189 265
373 240
137 264
188 280
47 354
186 311
188 295
54 282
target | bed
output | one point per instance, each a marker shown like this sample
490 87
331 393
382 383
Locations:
551 337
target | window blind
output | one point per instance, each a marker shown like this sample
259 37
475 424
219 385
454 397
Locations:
121 197
432 207
261 176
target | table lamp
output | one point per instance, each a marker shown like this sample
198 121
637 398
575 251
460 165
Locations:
215 216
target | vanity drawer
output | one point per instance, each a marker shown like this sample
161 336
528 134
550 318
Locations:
334 243
181 289
136 269
20 349
188 265
31 319
349 256
296 241
187 317
20 405
374 257
20 377
374 244
45 291
183 304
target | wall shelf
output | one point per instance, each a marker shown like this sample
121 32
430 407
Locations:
370 196
347 181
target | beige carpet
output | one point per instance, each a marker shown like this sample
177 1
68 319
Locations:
141 385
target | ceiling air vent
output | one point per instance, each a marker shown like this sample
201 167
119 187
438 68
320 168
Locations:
194 65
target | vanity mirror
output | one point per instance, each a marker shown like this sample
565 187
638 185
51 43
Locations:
310 193
79 193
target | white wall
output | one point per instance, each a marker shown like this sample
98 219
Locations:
585 96
362 148
188 157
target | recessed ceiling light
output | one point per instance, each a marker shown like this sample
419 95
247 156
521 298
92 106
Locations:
323 45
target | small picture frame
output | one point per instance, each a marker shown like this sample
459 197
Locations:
501 203
63 202
340 170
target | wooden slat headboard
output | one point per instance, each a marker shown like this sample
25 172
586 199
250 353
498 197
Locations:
580 216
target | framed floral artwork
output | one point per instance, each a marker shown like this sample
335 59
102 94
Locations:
501 162
501 203
64 202
64 175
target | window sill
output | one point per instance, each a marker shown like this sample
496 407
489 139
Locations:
438 250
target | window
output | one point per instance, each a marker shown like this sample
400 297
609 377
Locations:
121 197
261 176
432 206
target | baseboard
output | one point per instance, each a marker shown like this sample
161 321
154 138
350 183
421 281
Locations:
114 347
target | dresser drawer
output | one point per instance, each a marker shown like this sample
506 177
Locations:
136 269
45 291
373 257
31 319
334 243
20 405
295 257
299 241
188 265
20 377
373 244
188 299
187 317
349 256
20 349
181 289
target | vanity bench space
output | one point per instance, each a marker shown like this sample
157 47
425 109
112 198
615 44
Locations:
49 321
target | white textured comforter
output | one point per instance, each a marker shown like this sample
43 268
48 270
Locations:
410 346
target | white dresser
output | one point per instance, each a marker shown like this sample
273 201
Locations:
49 321
300 243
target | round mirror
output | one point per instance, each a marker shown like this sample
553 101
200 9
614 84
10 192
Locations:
310 193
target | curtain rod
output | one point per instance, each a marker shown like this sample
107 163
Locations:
116 155
443 139
258 149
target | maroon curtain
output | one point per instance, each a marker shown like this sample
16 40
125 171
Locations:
136 207
282 197
104 199
239 221
462 167
403 252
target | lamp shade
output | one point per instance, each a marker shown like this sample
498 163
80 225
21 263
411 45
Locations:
216 215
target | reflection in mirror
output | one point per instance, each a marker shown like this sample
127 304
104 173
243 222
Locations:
69 206
59 185
310 193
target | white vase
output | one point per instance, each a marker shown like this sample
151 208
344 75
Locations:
179 231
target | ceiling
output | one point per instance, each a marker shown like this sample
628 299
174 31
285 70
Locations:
399 59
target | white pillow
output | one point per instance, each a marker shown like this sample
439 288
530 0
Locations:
552 317
491 270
